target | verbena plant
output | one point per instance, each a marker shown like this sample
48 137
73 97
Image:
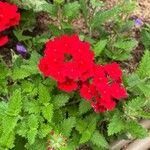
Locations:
35 114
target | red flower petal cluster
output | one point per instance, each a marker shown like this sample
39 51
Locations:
104 87
71 63
64 61
8 17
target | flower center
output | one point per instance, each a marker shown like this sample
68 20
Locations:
68 57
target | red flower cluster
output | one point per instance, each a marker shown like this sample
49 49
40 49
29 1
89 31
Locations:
8 18
71 63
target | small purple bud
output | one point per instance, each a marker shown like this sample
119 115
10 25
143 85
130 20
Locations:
21 49
138 22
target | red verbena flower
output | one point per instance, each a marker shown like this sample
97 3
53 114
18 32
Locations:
70 62
114 71
63 60
8 15
3 40
68 85
87 91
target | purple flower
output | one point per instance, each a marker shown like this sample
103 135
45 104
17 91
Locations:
138 22
21 49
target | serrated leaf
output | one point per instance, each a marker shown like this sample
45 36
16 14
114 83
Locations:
136 130
60 100
71 10
7 140
144 66
44 94
136 103
33 128
51 9
102 16
115 125
143 114
15 104
67 126
84 107
81 126
22 128
99 47
126 44
84 8
99 140
28 68
47 112
44 130
88 132
31 107
85 136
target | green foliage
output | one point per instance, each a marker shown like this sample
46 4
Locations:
10 119
60 100
67 126
99 47
87 133
99 140
121 49
115 125
26 68
71 10
84 107
136 130
102 16
144 66
145 36
33 128
34 114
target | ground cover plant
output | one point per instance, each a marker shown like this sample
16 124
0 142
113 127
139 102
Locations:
64 85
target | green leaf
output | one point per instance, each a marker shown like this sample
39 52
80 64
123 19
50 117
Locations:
31 106
60 100
47 112
97 3
81 125
7 141
84 107
28 68
136 130
15 104
20 37
44 130
27 21
39 144
99 47
44 94
99 140
88 132
33 124
67 126
102 16
51 9
144 66
115 125
136 104
145 37
71 10
143 114
84 8
54 30
126 44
